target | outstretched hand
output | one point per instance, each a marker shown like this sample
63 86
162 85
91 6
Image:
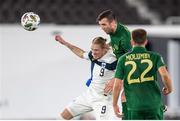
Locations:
60 39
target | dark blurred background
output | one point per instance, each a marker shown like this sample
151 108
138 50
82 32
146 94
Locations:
85 11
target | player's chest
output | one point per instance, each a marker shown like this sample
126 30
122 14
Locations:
101 71
115 43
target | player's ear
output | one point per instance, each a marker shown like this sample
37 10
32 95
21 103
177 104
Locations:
146 42
112 22
132 43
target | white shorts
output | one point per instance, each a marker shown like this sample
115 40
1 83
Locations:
91 101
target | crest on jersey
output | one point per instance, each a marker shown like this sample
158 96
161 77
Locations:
115 47
103 65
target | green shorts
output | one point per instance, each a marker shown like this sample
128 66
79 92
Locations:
155 114
124 111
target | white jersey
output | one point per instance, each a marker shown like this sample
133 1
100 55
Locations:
94 99
101 72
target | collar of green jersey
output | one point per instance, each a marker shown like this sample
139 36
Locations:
139 49
118 29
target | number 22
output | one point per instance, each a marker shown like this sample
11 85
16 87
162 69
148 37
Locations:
134 67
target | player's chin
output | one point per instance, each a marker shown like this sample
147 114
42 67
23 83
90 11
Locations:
96 57
107 32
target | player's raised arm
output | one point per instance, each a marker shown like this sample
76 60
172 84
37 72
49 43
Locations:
76 50
166 80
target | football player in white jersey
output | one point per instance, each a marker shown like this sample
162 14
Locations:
103 64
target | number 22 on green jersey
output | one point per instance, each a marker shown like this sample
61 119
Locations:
141 77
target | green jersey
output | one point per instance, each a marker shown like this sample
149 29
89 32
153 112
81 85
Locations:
120 40
138 69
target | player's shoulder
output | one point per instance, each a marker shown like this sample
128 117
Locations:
153 53
123 27
127 53
110 53
123 57
109 57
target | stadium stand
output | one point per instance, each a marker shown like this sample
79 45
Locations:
83 11
68 11
165 8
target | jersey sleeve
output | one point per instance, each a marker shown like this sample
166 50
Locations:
160 61
86 56
119 69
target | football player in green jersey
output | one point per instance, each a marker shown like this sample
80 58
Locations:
119 34
120 42
138 69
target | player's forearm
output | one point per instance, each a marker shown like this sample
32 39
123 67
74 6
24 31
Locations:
76 50
166 78
167 82
116 91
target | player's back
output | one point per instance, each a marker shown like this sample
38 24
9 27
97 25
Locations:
140 82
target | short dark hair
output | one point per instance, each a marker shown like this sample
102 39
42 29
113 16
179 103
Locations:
139 36
109 14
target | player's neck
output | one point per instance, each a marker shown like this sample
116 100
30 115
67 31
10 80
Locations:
137 45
